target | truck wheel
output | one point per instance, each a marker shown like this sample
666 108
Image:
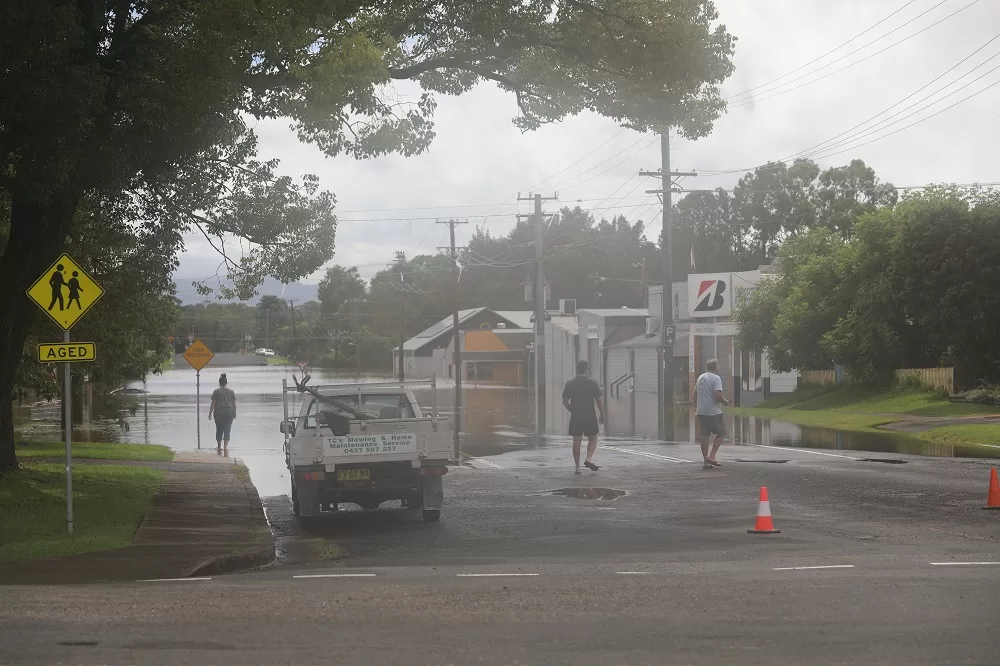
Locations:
295 501
432 515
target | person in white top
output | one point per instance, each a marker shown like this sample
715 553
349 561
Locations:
708 409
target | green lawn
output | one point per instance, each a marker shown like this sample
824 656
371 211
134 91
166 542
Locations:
982 434
277 360
109 502
858 408
100 450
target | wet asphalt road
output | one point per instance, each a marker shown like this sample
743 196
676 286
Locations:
904 617
662 574
665 574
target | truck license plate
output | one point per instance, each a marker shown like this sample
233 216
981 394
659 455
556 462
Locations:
354 475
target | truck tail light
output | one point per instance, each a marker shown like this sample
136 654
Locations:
313 476
437 471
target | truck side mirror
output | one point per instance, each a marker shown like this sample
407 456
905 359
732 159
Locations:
288 428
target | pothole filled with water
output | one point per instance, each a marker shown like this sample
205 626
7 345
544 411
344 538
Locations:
891 461
747 460
588 493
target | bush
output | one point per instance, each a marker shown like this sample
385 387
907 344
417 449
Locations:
985 395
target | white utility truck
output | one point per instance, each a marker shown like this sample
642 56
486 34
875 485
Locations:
365 443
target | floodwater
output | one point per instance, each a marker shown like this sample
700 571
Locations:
496 420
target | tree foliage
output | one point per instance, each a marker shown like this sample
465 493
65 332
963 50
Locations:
910 288
152 102
741 230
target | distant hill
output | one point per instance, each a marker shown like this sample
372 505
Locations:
271 287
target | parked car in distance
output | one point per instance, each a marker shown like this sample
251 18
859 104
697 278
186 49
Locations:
264 352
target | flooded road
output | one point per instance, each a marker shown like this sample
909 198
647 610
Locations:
497 420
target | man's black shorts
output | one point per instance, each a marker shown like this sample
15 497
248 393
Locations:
712 425
584 426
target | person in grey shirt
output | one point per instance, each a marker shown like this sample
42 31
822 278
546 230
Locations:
708 409
223 407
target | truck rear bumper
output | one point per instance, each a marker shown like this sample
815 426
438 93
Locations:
318 489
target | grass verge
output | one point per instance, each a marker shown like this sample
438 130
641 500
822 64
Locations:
277 360
98 450
109 502
981 434
819 419
858 408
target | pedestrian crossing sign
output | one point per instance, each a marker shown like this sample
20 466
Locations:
65 292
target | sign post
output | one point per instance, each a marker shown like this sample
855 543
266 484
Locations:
198 356
64 284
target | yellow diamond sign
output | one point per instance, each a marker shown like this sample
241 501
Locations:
198 355
65 292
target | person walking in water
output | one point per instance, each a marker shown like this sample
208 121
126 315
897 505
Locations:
74 291
579 397
56 282
224 408
708 408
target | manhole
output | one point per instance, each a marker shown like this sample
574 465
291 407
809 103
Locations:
760 461
588 493
79 643
891 461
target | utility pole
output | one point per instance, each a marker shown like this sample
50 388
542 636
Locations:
357 336
457 338
666 350
291 303
539 310
402 336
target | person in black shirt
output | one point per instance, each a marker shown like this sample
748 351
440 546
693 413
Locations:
579 397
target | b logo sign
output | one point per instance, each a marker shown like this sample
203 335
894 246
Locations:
709 296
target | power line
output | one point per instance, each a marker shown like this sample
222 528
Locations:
914 93
770 94
811 62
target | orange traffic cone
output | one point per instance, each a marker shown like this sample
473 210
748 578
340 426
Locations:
764 524
993 498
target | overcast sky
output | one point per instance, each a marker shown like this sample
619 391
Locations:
479 161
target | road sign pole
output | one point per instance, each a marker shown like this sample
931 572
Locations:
68 415
197 374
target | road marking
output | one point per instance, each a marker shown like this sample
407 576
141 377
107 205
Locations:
815 453
960 564
349 575
825 566
174 580
632 573
656 456
488 463
494 575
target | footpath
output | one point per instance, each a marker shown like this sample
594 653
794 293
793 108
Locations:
206 519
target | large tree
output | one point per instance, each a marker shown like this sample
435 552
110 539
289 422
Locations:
908 289
155 98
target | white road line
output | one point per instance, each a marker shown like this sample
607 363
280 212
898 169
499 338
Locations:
815 453
655 456
825 566
960 564
632 573
350 575
488 463
174 580
494 575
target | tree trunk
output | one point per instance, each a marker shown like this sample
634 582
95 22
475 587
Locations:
37 235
